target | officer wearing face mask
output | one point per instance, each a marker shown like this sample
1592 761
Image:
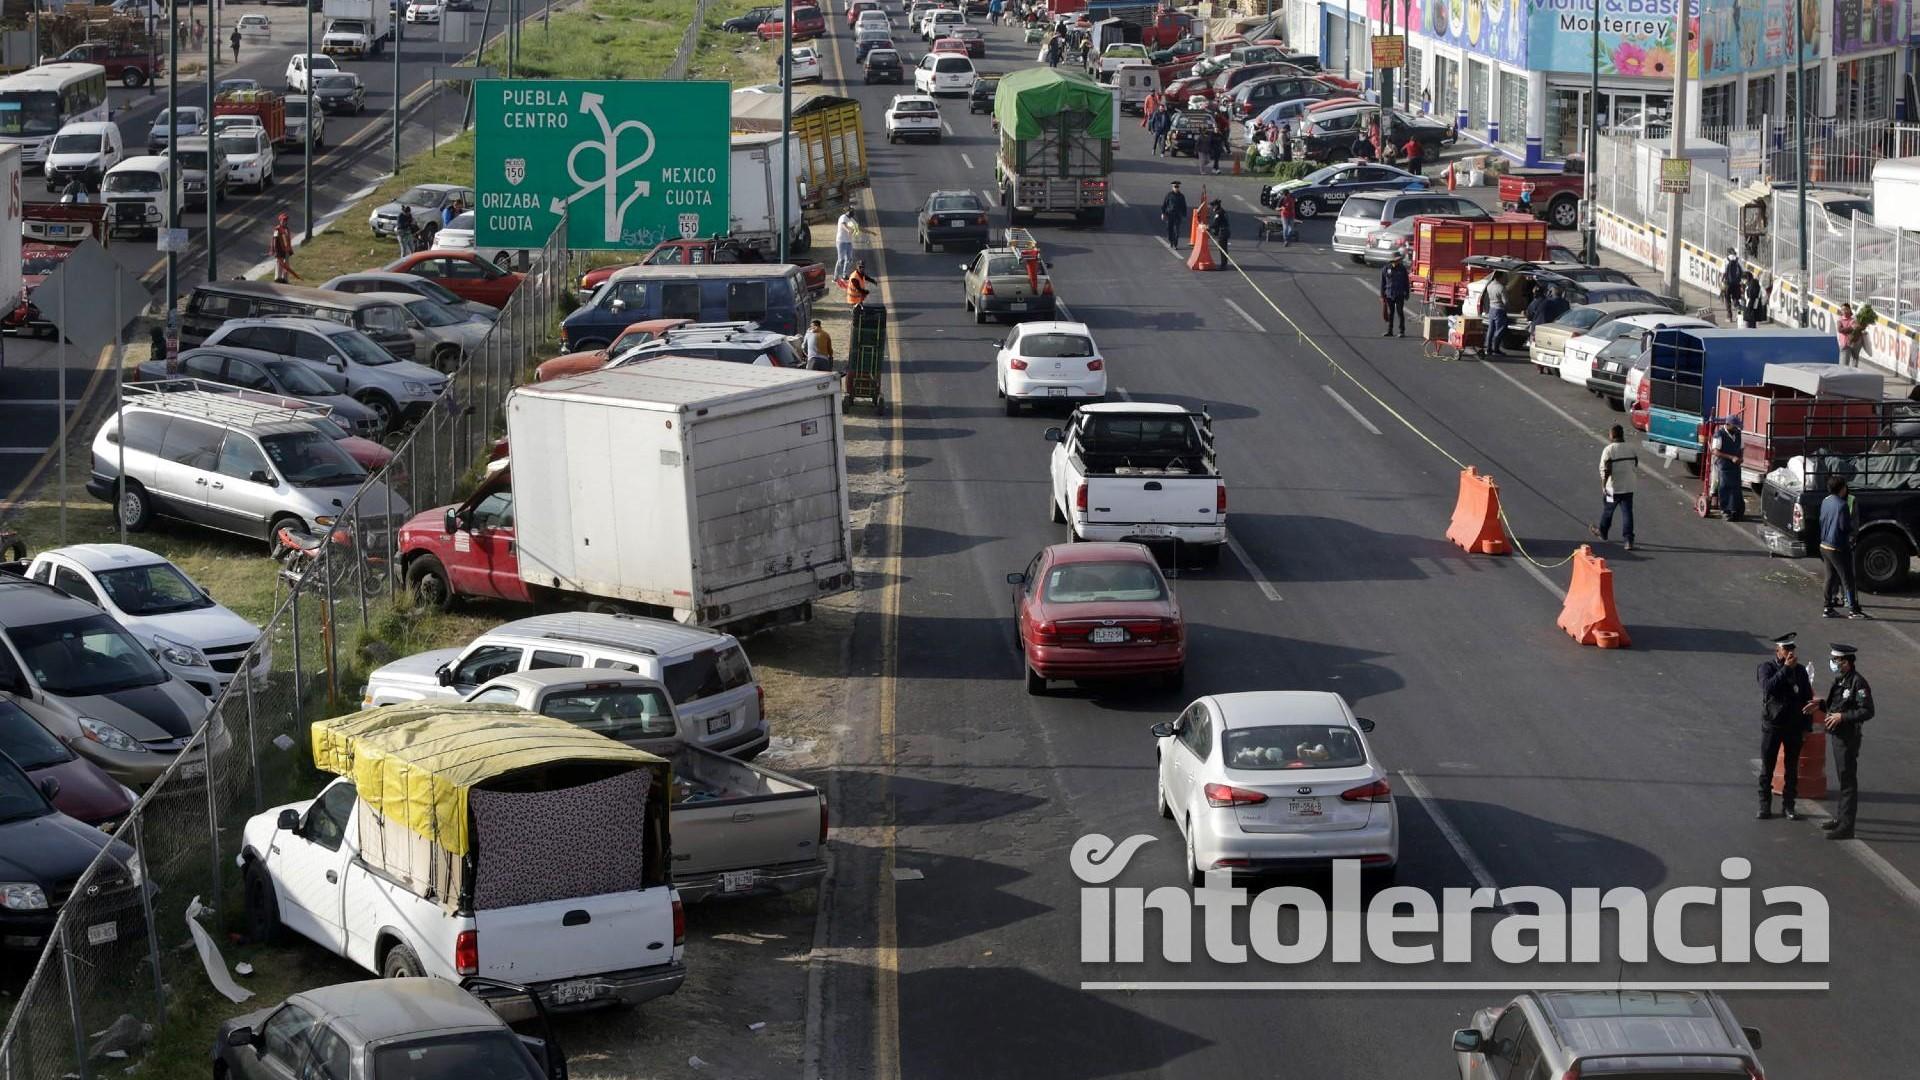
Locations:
1848 706
1785 694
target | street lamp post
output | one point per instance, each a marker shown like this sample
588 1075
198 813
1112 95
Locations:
786 126
1677 208
213 151
1800 141
1591 196
306 161
399 35
173 173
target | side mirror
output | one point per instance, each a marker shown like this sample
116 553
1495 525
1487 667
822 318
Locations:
964 267
242 1036
618 305
337 362
445 674
1753 1036
451 523
1054 434
50 787
1161 730
1467 1041
1364 724
288 820
1016 579
260 476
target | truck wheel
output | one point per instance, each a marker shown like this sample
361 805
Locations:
132 77
262 909
136 507
1881 562
1563 212
427 580
400 963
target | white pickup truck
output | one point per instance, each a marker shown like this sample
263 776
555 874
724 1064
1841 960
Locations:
537 859
738 829
1142 471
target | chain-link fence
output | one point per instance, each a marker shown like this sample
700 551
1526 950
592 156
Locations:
120 942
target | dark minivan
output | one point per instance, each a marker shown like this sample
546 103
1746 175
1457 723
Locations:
217 301
772 295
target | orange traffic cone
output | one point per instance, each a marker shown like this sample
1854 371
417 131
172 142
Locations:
1812 779
1198 226
1449 176
1202 257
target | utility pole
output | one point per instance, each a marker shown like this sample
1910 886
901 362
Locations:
1677 206
1386 86
1803 283
786 125
1590 196
1346 44
399 34
213 152
173 173
306 161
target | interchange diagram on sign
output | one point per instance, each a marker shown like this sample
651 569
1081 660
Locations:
627 164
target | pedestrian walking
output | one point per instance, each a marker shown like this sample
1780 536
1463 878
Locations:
404 229
1362 149
1786 695
1149 107
199 32
1414 155
819 348
1173 211
1216 148
1727 441
1286 140
858 285
1619 469
1426 100
1846 708
1289 217
845 231
1495 301
283 251
1753 304
1849 334
1732 277
1836 550
234 40
1220 227
1394 287
1161 124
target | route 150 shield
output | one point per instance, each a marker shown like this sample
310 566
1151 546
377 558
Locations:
516 170
689 226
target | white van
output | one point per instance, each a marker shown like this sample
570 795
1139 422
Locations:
135 192
84 150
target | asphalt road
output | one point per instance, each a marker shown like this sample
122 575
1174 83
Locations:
357 155
1519 758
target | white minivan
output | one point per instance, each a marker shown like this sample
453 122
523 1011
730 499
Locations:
135 192
944 73
85 151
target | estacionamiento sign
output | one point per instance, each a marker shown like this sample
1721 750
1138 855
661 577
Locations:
631 163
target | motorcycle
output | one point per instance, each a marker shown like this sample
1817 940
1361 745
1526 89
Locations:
298 550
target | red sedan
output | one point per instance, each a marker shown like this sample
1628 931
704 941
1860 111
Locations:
950 45
1097 611
1184 90
464 273
578 363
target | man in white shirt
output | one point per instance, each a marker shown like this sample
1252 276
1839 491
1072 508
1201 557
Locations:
845 232
1618 468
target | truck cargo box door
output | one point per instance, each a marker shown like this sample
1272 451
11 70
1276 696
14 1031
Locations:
768 495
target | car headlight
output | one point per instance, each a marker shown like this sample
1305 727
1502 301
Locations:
22 896
323 521
110 737
178 653
417 388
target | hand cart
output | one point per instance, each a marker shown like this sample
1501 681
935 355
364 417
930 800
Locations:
1463 335
867 358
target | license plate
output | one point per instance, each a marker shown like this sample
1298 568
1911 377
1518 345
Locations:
1056 391
719 723
193 770
1304 807
1017 307
56 230
102 933
1103 635
572 992
737 881
957 221
1153 530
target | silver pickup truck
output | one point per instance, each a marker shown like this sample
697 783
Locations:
737 829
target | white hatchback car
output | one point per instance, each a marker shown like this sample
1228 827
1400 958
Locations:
1276 780
1050 361
806 64
1600 359
944 73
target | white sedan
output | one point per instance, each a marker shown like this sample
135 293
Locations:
1050 361
425 11
1276 780
806 64
1600 359
944 73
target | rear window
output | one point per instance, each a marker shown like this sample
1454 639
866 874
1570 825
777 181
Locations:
1052 345
704 674
1362 207
951 64
1103 582
1291 746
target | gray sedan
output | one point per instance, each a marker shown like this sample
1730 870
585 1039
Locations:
386 281
444 335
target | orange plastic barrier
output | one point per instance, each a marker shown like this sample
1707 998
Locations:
1202 256
1813 768
1476 524
1589 616
1198 226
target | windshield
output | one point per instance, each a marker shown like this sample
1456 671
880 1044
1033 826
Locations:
434 290
26 742
467 1055
297 107
89 655
141 183
1579 318
1291 746
424 196
462 221
188 118
30 112
1103 582
957 202
192 159
623 712
360 348
298 378
19 799
326 426
334 82
433 313
310 459
239 145
1326 175
77 144
707 673
153 589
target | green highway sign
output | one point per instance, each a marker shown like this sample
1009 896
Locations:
631 163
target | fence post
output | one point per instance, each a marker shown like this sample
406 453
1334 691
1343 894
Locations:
433 449
393 541
359 535
1853 241
299 691
1899 241
253 752
146 909
214 893
328 624
73 1000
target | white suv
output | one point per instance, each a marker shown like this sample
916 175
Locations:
913 116
706 672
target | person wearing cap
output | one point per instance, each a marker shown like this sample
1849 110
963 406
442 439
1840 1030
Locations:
1619 466
1726 465
1394 287
1836 549
1786 693
1173 211
1847 706
1220 226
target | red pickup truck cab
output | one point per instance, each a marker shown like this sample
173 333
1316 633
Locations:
1166 28
127 62
465 550
1556 193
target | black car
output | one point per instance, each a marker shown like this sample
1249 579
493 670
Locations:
952 217
1329 188
750 22
42 855
1331 137
863 46
980 98
1880 485
1185 49
340 92
1251 98
883 65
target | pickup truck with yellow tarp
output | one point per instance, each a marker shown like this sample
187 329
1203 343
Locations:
466 839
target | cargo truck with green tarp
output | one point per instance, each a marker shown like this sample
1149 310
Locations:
1056 145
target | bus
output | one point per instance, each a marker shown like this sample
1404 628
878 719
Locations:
40 101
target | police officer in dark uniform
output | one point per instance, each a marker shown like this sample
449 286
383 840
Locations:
1848 705
1785 693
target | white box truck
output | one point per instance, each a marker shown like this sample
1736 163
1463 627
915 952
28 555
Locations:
704 491
754 193
356 28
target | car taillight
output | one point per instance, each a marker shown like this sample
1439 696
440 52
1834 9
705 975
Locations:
1046 633
1096 364
825 818
466 953
1228 795
1017 364
1572 1073
679 921
760 699
1378 791
981 220
1220 499
986 288
1046 288
1080 497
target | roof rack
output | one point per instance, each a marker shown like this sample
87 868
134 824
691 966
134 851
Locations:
217 402
603 642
